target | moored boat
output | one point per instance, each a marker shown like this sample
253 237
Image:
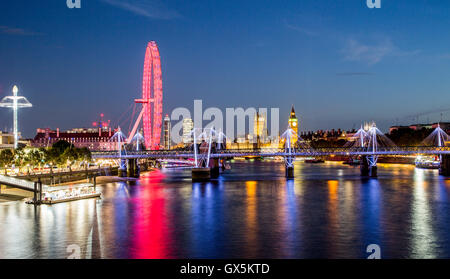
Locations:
428 163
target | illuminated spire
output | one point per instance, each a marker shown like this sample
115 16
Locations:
293 124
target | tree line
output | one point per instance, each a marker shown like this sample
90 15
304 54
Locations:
60 154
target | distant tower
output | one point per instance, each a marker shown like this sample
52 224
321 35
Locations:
15 102
369 125
260 127
293 124
188 125
167 128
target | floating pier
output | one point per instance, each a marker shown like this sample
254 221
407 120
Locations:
59 194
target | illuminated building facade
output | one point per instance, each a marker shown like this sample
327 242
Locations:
294 124
167 137
188 126
6 140
95 139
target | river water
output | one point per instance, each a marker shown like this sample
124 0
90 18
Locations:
252 211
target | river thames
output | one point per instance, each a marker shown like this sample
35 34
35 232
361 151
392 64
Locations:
252 211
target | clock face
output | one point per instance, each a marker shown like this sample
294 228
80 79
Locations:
294 124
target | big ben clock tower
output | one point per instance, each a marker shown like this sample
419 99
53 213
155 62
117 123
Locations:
293 124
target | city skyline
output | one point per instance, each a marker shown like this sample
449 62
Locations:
309 55
211 132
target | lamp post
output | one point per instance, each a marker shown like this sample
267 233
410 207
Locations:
16 132
15 102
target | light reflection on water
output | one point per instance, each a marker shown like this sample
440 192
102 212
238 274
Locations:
252 211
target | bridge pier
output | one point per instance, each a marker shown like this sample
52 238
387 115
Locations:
215 168
133 168
289 172
445 165
122 169
367 169
364 166
37 193
40 189
201 174
373 171
222 164
93 180
144 166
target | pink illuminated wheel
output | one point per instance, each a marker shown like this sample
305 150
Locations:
152 94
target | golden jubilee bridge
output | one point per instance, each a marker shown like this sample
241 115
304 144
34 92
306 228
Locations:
208 153
274 152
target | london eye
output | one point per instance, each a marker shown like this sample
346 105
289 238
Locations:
152 94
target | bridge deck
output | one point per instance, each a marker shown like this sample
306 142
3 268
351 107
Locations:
161 154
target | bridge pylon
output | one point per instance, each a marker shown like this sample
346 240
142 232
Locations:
439 138
369 143
205 167
370 161
289 149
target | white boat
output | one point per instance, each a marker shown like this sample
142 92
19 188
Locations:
427 163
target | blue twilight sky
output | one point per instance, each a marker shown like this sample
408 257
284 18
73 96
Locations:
339 62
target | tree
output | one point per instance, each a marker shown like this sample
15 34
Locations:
6 158
19 158
56 152
61 146
85 154
70 156
36 157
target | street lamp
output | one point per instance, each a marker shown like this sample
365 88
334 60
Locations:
15 102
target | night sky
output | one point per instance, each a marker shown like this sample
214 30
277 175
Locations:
337 61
